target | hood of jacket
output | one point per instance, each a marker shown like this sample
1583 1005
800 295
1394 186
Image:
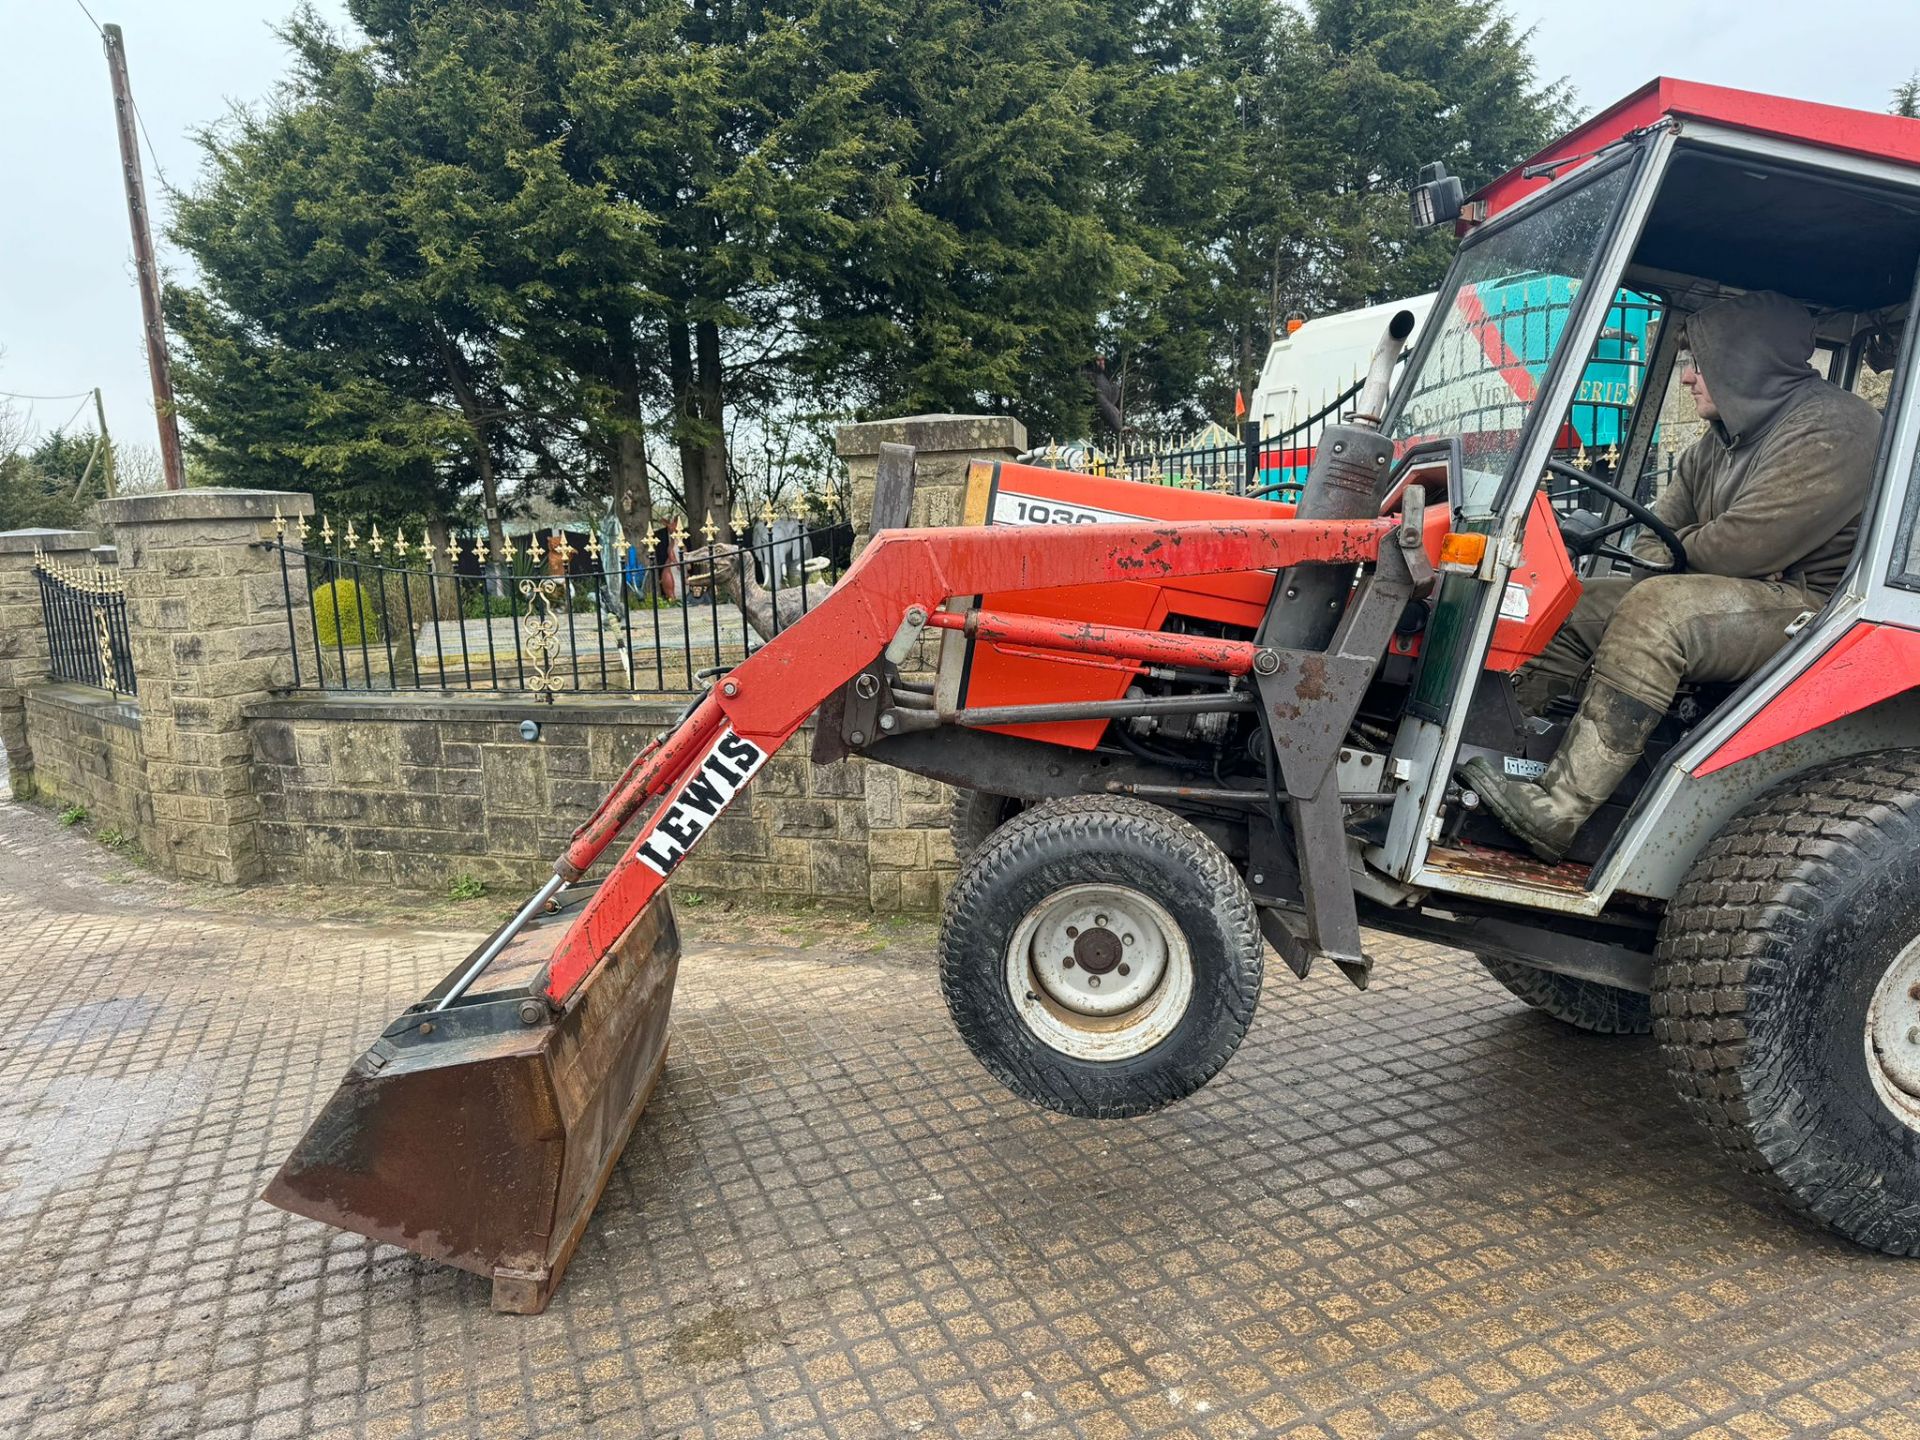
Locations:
1753 351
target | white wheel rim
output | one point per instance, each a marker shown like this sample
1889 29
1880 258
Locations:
1893 1037
1099 972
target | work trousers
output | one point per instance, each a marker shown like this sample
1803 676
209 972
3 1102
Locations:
1644 637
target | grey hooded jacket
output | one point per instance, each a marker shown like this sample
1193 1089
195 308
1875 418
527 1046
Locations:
1775 488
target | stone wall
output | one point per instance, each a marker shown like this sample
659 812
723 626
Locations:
23 635
87 751
226 772
417 793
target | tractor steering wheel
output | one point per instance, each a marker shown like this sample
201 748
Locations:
1593 542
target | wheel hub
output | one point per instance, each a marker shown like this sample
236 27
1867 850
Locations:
1100 971
1097 951
1893 1036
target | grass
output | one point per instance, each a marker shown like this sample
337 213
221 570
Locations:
73 815
467 887
114 839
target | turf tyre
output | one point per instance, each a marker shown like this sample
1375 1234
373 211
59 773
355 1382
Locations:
1769 958
975 816
1584 1004
1088 840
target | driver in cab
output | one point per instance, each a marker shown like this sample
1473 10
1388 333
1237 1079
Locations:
1766 503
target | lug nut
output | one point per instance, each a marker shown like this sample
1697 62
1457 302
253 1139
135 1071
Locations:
1125 969
1913 991
1094 981
1913 1036
1126 939
1101 921
1072 931
1067 964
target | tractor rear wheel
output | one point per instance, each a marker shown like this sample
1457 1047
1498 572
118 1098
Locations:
1787 994
1100 956
975 816
1584 1004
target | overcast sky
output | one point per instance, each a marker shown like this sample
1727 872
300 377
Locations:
70 315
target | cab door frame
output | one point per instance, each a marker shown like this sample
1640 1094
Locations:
1426 747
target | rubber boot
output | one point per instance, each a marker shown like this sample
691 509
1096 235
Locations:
1600 747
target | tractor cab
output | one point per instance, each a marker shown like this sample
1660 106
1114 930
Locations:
1548 369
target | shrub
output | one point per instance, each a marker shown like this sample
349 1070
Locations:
73 815
343 614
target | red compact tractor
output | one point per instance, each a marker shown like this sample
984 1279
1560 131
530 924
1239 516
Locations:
1188 726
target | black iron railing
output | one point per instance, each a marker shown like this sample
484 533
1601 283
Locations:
85 609
570 610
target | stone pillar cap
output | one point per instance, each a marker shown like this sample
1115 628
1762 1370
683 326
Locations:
208 503
25 542
933 434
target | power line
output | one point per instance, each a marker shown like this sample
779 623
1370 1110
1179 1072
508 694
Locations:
152 154
89 14
15 395
76 413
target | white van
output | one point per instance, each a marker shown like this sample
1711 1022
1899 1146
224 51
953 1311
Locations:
1309 369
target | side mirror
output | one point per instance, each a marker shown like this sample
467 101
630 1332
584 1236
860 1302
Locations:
1437 197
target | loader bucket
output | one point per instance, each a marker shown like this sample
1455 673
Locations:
481 1135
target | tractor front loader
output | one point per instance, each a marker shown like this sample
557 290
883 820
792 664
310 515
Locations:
482 1126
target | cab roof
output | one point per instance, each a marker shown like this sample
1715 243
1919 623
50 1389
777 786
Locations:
1834 127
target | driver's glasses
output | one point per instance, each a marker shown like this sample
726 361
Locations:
1689 368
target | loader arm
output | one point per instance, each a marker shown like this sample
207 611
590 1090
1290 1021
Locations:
698 768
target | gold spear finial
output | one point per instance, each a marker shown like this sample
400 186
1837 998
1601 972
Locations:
709 529
767 514
279 524
453 551
649 542
375 542
533 550
506 548
621 547
353 540
326 531
400 544
593 546
302 530
559 544
480 550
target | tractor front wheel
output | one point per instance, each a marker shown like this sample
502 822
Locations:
1101 957
1787 994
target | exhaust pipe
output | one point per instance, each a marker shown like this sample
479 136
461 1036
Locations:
1351 463
1373 394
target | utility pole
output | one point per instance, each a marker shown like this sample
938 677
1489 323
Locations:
157 367
106 444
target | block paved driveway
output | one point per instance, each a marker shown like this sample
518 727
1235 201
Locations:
1419 1211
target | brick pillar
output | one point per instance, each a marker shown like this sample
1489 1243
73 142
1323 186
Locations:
207 619
23 634
946 443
